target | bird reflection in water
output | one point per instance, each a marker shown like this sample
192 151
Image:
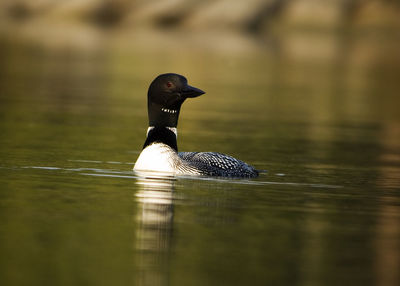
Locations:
155 226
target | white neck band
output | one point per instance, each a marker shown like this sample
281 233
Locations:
173 129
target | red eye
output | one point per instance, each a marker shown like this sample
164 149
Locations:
169 84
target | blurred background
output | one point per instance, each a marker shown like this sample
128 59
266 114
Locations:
306 89
330 47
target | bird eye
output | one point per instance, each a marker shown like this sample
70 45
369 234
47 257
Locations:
169 84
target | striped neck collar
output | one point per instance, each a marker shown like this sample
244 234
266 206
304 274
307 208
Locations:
173 129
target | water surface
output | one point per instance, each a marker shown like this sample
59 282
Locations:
325 211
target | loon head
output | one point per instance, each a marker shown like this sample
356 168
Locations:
165 96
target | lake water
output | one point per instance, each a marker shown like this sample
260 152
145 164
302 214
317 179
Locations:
325 210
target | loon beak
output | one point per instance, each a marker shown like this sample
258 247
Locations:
191 91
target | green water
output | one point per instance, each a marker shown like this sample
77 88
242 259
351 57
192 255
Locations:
326 211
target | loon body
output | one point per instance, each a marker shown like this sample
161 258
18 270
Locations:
160 151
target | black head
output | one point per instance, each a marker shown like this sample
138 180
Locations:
166 94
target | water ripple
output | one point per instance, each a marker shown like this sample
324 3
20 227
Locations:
128 174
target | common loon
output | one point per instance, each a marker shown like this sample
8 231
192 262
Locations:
165 96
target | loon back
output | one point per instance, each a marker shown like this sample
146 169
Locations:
160 151
217 164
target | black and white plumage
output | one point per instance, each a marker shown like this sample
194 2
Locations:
160 151
217 164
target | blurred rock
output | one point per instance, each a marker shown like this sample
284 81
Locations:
211 24
206 14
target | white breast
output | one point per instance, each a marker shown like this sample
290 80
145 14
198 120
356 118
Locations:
157 157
